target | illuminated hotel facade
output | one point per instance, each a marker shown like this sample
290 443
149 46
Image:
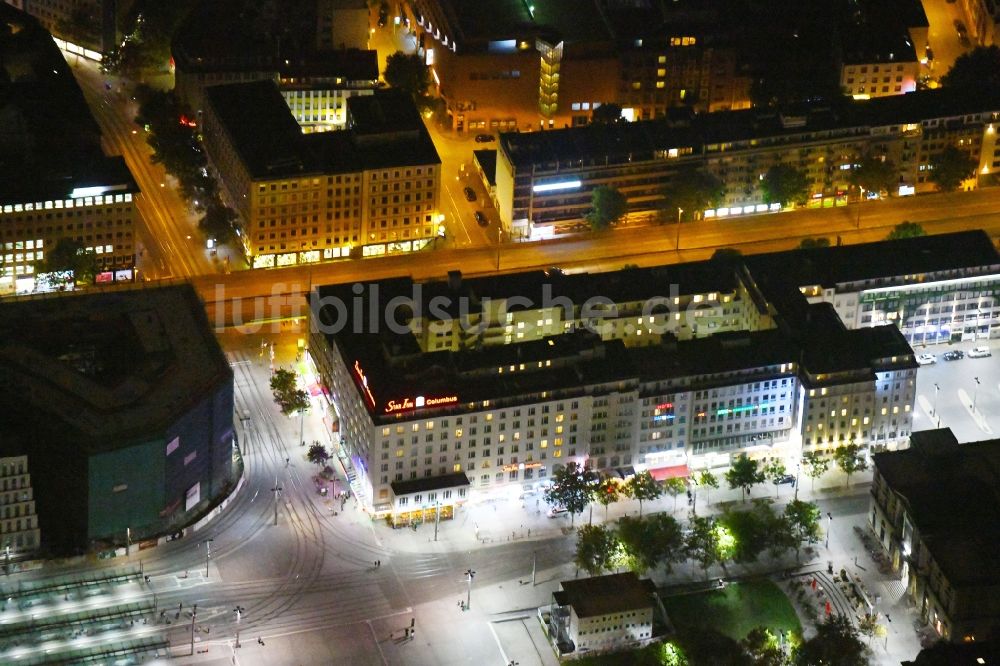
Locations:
544 180
675 369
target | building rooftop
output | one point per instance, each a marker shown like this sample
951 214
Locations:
347 64
865 45
443 482
953 496
49 142
271 144
602 595
641 140
103 368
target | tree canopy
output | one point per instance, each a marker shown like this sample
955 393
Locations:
407 72
906 230
950 167
607 206
850 458
642 487
978 69
693 191
595 548
290 398
784 184
317 454
836 643
572 488
744 473
608 113
875 174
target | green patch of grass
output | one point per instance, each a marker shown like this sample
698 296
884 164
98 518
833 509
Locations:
647 656
735 610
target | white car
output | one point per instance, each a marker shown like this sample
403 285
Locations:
926 359
980 352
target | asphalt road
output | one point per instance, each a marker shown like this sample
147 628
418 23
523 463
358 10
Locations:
169 242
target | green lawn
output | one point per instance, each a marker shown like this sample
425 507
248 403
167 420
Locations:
735 610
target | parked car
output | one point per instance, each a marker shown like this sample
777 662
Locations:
485 138
980 352
787 478
953 355
557 511
926 359
470 194
481 219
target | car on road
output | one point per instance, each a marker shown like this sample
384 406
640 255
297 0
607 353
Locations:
980 352
926 359
557 511
787 478
953 355
481 219
485 138
470 194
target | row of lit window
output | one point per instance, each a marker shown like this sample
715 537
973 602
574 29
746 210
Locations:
68 203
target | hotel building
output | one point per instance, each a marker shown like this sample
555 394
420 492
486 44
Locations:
667 369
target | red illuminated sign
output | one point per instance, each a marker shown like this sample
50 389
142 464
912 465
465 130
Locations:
364 382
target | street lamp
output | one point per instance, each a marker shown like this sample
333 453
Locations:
975 395
208 553
468 597
277 493
934 412
677 244
829 526
239 610
499 241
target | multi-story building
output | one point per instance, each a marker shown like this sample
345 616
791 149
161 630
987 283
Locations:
545 179
602 614
89 28
19 532
935 509
368 190
879 65
58 184
547 65
666 369
128 398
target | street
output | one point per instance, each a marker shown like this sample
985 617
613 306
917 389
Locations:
947 391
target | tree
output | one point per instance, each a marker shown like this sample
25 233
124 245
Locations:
607 114
408 73
775 471
763 648
674 486
650 541
317 454
693 191
835 644
744 473
83 25
815 466
803 521
701 544
784 184
978 69
571 489
868 625
607 206
811 243
906 230
950 167
643 486
595 547
284 387
875 174
218 222
608 491
70 255
850 458
708 481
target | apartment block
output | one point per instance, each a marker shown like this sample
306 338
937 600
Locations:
19 532
369 190
935 511
58 183
545 179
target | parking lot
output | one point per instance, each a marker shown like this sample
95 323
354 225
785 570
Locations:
951 387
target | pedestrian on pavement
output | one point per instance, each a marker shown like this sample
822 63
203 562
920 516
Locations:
286 461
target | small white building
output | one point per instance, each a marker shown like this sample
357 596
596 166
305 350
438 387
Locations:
603 613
